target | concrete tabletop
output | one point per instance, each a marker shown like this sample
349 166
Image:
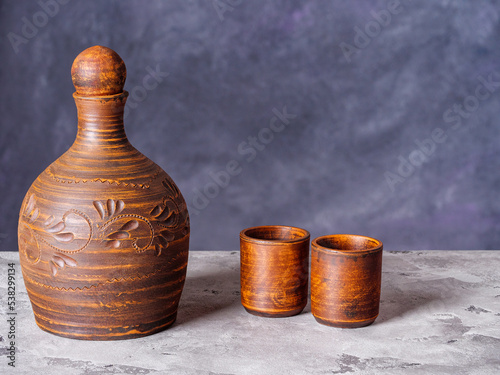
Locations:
439 314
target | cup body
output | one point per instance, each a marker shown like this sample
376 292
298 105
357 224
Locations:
274 270
346 273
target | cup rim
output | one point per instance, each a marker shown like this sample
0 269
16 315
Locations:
378 247
243 235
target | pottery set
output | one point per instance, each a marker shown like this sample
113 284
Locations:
346 272
104 237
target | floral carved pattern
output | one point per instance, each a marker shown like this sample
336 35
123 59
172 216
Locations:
60 260
56 235
114 228
118 228
169 217
28 242
166 222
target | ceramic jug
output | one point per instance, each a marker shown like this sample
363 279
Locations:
103 232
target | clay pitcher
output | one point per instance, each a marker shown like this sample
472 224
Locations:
103 231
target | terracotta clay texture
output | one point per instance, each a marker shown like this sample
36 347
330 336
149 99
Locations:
274 270
103 231
346 273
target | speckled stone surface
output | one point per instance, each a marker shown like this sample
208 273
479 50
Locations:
440 314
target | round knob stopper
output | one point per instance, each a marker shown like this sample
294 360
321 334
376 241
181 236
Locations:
98 71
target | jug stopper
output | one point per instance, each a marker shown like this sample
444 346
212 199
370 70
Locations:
98 71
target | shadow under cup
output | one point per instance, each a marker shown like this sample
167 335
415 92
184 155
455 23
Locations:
346 272
274 268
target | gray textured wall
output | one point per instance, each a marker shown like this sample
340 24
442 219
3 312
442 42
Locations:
370 117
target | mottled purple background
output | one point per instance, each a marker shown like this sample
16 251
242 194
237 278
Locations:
229 68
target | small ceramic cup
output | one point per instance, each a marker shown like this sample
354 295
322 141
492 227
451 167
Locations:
274 270
346 273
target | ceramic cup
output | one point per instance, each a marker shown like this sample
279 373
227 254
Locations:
274 270
346 274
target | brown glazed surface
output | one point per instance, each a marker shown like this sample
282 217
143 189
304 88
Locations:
274 270
346 275
103 231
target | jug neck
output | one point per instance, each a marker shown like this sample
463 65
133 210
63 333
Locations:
100 120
